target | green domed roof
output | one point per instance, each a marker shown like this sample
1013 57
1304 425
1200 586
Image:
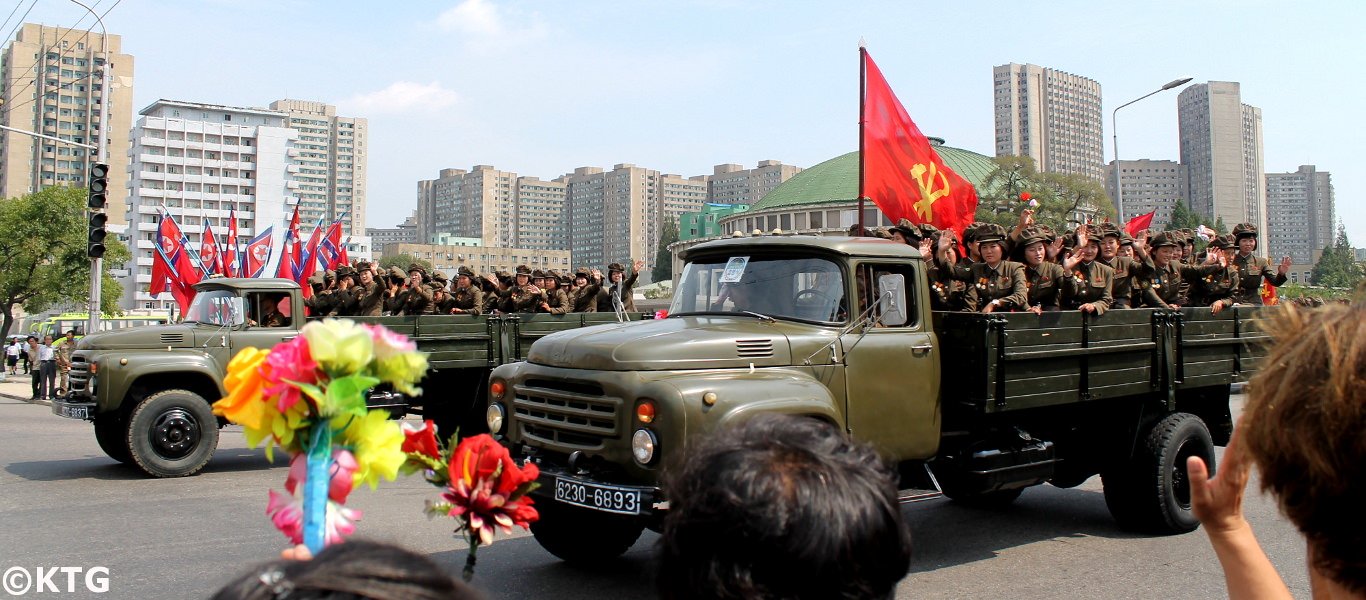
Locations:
836 180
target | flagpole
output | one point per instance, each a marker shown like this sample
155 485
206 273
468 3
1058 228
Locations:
862 99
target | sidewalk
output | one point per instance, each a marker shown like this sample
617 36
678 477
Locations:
19 387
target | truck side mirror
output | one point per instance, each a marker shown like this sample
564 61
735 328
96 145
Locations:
891 292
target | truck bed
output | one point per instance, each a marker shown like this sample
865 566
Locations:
1015 361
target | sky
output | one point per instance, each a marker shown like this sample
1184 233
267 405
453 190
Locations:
543 87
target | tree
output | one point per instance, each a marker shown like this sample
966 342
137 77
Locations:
1337 267
43 258
1059 196
664 260
403 261
1000 191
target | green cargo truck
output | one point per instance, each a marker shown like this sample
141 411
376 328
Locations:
976 406
148 390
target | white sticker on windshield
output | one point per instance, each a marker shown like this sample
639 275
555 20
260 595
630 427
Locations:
735 268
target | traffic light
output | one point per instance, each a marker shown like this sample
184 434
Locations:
99 187
95 247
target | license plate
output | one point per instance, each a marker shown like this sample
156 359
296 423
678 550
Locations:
72 412
605 498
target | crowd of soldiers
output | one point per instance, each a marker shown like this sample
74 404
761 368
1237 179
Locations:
1093 268
365 289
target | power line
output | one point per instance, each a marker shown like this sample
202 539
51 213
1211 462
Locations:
11 13
21 19
36 75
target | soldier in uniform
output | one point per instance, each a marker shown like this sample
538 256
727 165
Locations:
619 288
994 284
1088 286
523 296
556 301
1043 278
906 233
583 296
467 298
395 281
1253 269
339 298
946 292
418 297
367 297
1126 269
320 301
1162 287
1216 289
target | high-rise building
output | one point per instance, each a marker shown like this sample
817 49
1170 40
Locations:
1299 217
495 206
734 184
538 211
202 161
1221 148
52 82
1051 116
617 216
1149 185
386 238
331 162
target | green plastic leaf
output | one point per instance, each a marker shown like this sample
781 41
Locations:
346 395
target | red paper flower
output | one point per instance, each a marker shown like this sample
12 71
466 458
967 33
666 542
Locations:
1025 196
488 489
422 441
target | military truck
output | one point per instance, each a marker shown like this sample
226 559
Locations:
977 407
148 390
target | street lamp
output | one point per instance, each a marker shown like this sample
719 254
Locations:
1114 131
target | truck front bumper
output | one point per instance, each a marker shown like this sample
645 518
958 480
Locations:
583 490
74 407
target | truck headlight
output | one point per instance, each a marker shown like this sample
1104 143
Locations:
643 444
493 417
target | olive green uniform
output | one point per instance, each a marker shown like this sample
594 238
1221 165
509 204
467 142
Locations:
1044 284
1005 286
1251 271
1090 283
1163 288
585 298
468 300
558 301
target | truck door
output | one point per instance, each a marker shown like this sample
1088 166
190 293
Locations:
892 373
269 321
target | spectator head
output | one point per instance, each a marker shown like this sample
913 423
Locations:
781 507
354 570
32 339
47 339
71 333
1302 426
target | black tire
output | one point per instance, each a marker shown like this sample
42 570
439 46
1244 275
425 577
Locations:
583 537
1151 492
112 434
172 433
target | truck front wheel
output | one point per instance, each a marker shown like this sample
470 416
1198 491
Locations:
581 536
172 433
1151 492
112 434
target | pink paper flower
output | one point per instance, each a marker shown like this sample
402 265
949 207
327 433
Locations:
344 467
287 513
289 361
388 343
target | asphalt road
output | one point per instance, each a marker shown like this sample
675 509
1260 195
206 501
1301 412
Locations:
64 504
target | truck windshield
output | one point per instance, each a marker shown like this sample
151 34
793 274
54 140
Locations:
215 307
805 289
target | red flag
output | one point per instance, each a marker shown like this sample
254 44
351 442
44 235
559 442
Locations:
1268 293
329 248
211 260
231 260
342 257
1139 223
310 263
258 253
173 259
289 254
902 173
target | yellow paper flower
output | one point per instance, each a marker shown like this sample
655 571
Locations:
403 371
340 347
244 404
377 444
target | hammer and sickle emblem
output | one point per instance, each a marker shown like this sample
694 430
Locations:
925 178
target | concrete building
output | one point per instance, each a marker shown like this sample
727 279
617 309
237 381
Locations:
476 203
331 161
51 82
1051 116
383 238
538 211
201 161
484 259
1299 217
617 215
1221 148
1149 185
707 222
734 184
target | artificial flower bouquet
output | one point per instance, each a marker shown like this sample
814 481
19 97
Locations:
307 396
482 487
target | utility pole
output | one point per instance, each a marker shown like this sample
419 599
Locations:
101 157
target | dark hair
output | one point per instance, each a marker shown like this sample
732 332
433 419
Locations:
781 507
71 332
353 570
1303 424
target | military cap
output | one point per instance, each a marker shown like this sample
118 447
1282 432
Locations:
970 232
1069 239
856 231
907 230
397 273
1165 238
583 272
419 268
363 265
538 274
990 232
330 275
523 270
1125 239
464 272
343 271
1034 234
1223 241
1110 230
616 267
1243 230
316 278
927 230
439 276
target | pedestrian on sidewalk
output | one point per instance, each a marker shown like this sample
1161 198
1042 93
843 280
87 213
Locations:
31 360
12 352
28 360
47 362
65 347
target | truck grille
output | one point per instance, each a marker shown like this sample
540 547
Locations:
80 376
754 348
570 415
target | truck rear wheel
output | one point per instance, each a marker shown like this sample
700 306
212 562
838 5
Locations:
172 433
581 536
1151 493
112 434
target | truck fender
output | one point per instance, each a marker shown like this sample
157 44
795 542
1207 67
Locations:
773 392
170 370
